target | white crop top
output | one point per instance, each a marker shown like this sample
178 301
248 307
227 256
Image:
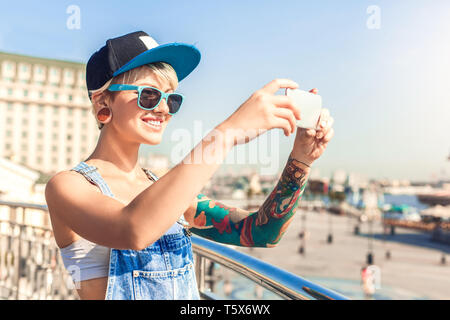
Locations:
84 259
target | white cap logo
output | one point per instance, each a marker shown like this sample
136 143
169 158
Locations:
149 42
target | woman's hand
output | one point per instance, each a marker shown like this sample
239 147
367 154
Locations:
261 112
309 143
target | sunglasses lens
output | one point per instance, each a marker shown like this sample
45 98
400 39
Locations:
174 102
150 98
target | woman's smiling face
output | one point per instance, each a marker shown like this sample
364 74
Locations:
134 123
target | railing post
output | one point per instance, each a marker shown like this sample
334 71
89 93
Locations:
19 262
200 272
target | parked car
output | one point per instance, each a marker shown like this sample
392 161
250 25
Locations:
402 212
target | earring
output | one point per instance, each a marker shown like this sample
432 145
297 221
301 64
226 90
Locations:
103 114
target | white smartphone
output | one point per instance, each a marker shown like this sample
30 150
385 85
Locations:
310 106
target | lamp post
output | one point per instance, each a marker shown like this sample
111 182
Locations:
302 234
370 258
330 227
371 204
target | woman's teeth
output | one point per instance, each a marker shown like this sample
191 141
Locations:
153 123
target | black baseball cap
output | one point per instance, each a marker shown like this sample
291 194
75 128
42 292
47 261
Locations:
133 50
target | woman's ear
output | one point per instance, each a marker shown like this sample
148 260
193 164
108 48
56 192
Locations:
103 112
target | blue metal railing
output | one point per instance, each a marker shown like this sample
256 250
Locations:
22 242
281 282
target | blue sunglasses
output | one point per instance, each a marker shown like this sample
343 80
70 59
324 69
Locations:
149 98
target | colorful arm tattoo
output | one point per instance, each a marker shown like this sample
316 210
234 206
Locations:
263 228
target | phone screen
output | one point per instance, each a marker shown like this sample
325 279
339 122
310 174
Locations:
310 106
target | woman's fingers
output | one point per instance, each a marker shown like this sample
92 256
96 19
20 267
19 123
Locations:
325 135
328 135
310 132
276 84
325 124
315 91
330 122
323 119
287 114
320 134
286 102
283 124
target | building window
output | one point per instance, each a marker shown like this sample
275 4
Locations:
39 160
10 106
24 159
8 146
41 108
25 107
41 94
69 137
25 121
69 149
39 147
55 160
41 123
10 92
70 125
55 136
40 134
68 161
55 124
24 134
8 133
56 96
25 93
9 120
70 97
54 148
70 111
24 147
55 110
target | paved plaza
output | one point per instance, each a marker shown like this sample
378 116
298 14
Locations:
414 270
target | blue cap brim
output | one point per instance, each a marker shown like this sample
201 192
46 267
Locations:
184 58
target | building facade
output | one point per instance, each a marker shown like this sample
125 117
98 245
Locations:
45 113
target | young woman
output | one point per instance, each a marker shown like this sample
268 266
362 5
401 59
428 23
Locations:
122 231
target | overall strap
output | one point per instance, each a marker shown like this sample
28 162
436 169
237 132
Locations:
92 175
150 174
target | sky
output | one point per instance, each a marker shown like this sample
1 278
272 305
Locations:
381 67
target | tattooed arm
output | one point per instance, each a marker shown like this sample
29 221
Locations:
263 228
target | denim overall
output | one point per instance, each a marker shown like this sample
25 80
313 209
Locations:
163 270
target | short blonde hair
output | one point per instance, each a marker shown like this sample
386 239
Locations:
161 69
